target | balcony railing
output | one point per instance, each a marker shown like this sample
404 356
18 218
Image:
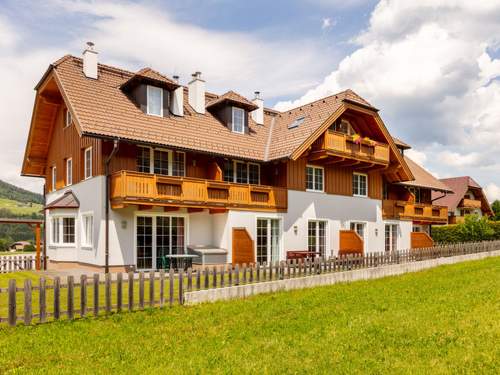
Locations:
129 187
414 211
344 145
470 203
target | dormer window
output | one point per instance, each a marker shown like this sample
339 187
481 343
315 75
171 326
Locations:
238 120
154 101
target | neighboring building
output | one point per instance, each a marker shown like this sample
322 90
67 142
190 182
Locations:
18 246
218 174
469 198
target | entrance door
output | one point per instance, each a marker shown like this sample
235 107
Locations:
316 237
391 237
156 237
268 240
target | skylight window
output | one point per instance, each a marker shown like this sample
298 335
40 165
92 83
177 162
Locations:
298 121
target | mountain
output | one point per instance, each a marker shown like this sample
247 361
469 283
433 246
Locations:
14 193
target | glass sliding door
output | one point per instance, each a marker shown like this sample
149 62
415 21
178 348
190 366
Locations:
391 237
144 242
268 240
316 237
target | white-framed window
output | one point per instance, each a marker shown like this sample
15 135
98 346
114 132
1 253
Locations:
69 171
268 240
54 178
359 228
63 230
154 101
360 185
87 230
161 161
238 120
241 172
87 163
316 237
391 237
68 119
314 178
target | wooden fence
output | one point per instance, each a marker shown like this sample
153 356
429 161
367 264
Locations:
51 300
13 263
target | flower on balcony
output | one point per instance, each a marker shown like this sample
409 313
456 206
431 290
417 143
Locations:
356 138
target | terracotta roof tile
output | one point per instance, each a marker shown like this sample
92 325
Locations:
423 178
68 200
233 97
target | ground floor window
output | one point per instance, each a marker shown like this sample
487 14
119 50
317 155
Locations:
157 238
268 240
63 230
87 230
359 228
316 237
391 237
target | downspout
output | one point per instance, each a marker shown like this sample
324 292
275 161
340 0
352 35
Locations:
44 234
106 172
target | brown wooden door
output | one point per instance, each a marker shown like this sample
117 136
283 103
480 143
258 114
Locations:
243 251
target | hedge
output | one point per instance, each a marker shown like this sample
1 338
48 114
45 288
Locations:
473 229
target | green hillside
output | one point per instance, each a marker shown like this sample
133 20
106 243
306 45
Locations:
12 192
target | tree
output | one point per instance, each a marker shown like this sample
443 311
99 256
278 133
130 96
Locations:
475 228
496 209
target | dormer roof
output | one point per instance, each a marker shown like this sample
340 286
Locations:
234 99
149 76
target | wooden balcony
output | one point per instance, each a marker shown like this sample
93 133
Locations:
470 203
134 188
343 146
417 212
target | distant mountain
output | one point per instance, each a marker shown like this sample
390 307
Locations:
14 193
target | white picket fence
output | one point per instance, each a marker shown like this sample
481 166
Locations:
13 263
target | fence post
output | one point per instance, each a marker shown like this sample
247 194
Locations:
28 315
250 277
83 295
42 300
162 287
230 276
96 294
181 287
141 290
12 303
206 273
237 275
214 277
244 272
130 291
70 302
257 272
119 291
171 286
190 279
151 288
222 276
107 292
57 300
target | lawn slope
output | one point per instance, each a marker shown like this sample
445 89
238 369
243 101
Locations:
444 320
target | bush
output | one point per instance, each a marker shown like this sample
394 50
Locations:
474 228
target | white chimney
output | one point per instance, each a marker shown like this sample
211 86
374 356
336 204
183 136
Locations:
90 61
196 93
177 103
258 114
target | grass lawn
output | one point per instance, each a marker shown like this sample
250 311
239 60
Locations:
444 320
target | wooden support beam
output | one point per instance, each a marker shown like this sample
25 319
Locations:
194 209
214 211
143 207
170 208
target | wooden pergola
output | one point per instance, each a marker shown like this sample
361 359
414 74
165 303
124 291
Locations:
33 223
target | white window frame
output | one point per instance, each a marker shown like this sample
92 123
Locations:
69 171
315 189
248 171
170 171
148 88
58 242
54 177
391 238
233 110
317 221
365 228
87 165
86 242
280 235
359 185
68 120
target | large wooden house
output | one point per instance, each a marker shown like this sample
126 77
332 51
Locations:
140 169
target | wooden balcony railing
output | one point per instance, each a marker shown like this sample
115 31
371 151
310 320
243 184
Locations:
470 203
343 145
129 187
393 209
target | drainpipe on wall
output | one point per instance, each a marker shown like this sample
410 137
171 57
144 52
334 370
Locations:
106 172
44 236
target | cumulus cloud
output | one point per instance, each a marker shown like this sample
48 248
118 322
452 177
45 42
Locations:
434 78
492 192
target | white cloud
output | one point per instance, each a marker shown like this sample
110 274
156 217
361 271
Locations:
433 78
327 23
7 35
417 156
492 192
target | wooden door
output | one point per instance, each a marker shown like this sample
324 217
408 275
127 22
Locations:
243 251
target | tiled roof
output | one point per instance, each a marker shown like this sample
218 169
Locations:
101 108
152 76
424 179
401 144
68 200
233 98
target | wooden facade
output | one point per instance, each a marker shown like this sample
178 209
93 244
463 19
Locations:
419 213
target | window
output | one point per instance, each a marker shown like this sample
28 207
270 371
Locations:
316 237
154 101
87 230
359 228
238 120
391 237
359 185
87 163
68 118
314 178
417 194
161 162
63 230
241 172
69 171
297 122
268 237
342 126
178 163
54 178
144 159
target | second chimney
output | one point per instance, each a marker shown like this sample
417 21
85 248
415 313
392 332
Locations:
90 61
177 102
258 114
196 93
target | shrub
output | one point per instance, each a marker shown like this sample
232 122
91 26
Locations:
474 228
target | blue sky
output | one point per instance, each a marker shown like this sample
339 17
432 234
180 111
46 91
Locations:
434 77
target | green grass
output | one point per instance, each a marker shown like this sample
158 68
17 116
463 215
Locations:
18 253
444 320
20 208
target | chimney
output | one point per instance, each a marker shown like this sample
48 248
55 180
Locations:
177 102
90 61
258 114
196 93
